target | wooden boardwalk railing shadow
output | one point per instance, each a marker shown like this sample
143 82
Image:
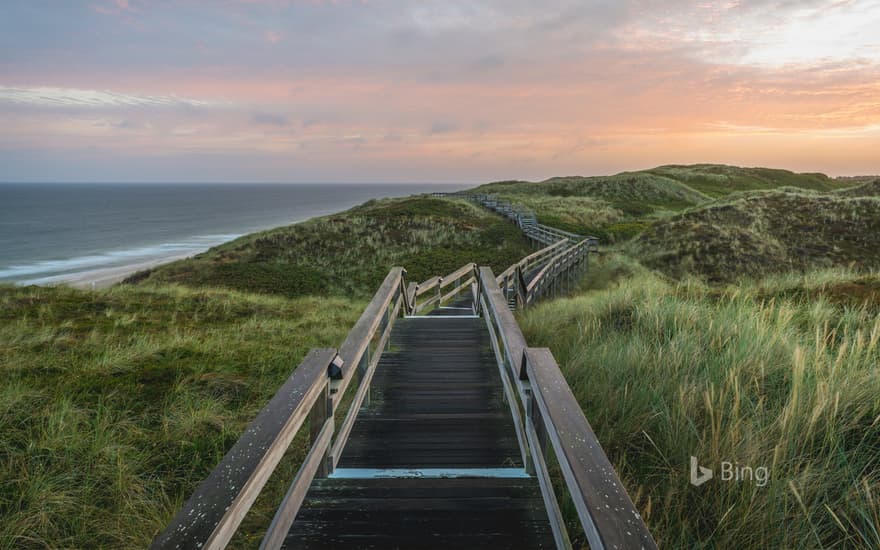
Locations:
451 425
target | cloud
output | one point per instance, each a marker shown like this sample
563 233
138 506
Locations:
112 7
75 97
269 119
272 37
443 127
501 88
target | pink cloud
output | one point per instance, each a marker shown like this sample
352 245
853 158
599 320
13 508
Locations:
112 7
272 37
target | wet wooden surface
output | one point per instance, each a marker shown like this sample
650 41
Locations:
436 403
447 514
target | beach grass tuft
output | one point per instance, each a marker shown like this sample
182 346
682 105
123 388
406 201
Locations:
779 372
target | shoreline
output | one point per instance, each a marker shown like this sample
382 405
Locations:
104 277
107 259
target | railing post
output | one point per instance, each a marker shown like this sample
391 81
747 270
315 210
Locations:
530 425
388 321
362 367
319 414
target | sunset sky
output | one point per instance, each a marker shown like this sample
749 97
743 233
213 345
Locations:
458 91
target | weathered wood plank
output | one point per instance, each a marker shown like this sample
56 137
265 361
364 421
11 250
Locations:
212 514
427 285
438 514
607 514
457 274
436 401
508 328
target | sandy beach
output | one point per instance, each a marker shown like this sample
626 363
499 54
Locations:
108 276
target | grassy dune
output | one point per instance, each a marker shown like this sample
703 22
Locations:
779 372
866 189
742 324
619 207
115 404
715 180
350 253
764 232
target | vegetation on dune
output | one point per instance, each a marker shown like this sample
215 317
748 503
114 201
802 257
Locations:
765 232
716 180
849 181
627 188
619 207
116 404
867 189
348 254
780 372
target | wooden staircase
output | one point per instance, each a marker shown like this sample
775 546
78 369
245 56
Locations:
448 436
433 458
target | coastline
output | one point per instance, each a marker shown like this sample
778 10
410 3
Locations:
105 277
119 230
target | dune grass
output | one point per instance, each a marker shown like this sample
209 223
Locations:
115 404
349 254
617 208
764 232
780 372
718 180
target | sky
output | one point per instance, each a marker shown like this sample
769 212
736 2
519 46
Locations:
433 91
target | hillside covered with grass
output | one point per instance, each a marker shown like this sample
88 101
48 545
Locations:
616 208
740 323
762 232
349 254
781 372
116 403
732 314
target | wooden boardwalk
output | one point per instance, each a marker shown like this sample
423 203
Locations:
433 458
436 401
433 425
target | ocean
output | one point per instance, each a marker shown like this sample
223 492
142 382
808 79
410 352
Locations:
56 233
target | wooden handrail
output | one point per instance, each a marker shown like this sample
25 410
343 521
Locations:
213 513
550 413
549 266
439 283
466 269
553 266
209 518
362 391
531 258
607 514
511 335
427 285
315 390
358 340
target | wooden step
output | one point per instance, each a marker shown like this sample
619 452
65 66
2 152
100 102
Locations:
436 401
447 514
